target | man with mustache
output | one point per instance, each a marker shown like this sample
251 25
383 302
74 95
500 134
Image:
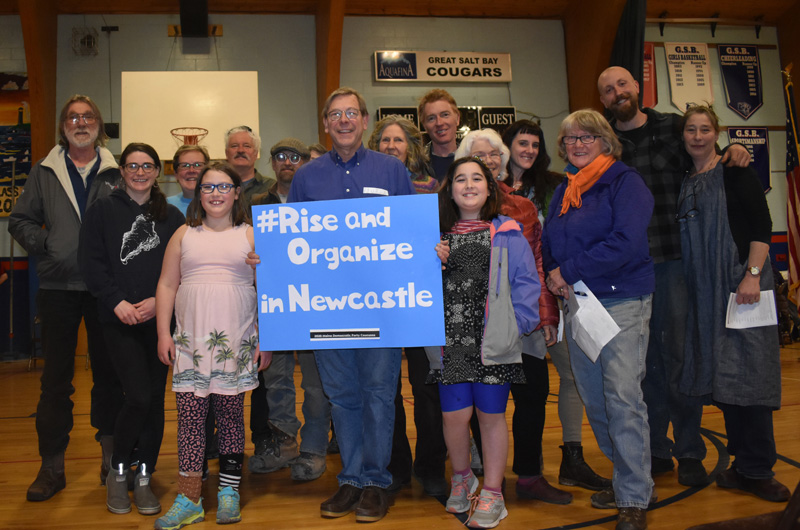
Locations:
242 146
652 143
46 221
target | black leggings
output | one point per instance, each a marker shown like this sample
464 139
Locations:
140 423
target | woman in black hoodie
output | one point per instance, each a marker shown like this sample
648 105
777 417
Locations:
122 245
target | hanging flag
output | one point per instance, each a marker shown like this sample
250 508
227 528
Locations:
649 92
689 74
741 77
792 189
756 140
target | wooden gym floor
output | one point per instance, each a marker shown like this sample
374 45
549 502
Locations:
275 501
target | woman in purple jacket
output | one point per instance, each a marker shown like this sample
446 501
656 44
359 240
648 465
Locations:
596 231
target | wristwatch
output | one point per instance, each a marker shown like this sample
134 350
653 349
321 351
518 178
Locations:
755 271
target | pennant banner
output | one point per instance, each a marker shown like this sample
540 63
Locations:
649 90
741 76
689 74
756 140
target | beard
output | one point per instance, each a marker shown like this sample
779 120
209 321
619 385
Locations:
83 140
628 111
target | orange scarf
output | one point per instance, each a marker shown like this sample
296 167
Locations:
583 180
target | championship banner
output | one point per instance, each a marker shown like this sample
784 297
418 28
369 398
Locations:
438 67
741 76
689 74
649 88
355 273
756 140
410 113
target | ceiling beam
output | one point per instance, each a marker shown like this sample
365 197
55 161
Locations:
39 20
330 28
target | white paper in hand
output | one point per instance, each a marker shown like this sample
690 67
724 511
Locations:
592 326
762 313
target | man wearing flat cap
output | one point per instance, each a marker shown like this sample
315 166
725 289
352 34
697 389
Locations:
281 450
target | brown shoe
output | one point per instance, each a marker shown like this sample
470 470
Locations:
632 519
343 502
373 505
541 490
50 480
768 489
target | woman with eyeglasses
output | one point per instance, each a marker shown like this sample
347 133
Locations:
122 244
725 234
188 162
596 231
214 350
398 137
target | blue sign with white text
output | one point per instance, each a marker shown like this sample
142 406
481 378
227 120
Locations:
350 273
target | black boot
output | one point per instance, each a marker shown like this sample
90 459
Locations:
576 472
50 479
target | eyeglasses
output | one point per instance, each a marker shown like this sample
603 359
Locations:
483 156
585 139
133 167
187 165
223 188
336 115
88 119
294 158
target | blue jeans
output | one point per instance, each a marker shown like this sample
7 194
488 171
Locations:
281 397
361 386
611 390
665 355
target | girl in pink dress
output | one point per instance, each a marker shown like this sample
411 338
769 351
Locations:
214 349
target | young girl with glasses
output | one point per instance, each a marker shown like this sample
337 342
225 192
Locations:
214 350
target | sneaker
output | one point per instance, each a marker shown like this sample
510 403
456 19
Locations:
228 506
461 489
490 509
308 467
182 512
605 500
475 462
276 453
691 472
632 519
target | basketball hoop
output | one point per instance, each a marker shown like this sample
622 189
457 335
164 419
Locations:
189 135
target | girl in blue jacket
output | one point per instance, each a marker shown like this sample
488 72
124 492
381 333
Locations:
491 294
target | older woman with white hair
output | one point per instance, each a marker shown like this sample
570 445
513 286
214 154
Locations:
596 231
487 145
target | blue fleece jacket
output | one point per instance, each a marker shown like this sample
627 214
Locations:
604 242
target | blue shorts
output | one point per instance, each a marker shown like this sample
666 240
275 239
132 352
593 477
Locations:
491 399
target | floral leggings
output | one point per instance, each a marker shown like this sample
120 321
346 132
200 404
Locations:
192 411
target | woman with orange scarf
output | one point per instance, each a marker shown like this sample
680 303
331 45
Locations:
596 231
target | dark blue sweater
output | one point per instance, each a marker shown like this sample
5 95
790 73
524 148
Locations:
604 242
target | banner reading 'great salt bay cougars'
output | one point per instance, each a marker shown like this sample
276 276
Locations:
356 273
689 74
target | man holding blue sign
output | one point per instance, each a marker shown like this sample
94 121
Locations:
363 413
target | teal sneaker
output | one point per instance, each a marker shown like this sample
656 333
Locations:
181 513
228 506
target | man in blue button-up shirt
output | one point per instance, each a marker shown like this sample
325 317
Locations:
363 413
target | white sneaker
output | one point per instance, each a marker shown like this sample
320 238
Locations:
461 488
490 510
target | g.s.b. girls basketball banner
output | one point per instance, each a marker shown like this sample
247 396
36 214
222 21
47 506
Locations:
741 76
756 140
356 273
689 74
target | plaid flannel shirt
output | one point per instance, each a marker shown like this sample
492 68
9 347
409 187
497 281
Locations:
660 158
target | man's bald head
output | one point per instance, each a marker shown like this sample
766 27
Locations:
619 93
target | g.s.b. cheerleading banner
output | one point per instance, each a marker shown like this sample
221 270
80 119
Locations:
756 140
741 75
356 273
